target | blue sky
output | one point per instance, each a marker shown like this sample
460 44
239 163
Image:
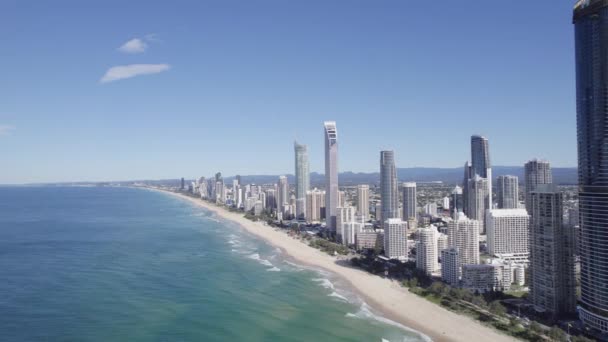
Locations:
228 85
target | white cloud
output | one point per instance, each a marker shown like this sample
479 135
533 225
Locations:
6 129
134 45
121 72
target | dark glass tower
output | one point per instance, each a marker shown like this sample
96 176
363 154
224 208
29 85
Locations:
591 38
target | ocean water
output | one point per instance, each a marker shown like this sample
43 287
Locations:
121 264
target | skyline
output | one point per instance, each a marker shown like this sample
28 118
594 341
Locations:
220 77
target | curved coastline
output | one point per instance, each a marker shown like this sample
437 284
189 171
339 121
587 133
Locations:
383 295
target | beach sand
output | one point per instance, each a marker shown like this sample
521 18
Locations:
383 295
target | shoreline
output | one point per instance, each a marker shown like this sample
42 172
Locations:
387 297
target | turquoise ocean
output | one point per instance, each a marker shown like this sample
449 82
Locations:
123 264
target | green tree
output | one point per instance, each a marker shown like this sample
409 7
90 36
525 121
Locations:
497 308
557 334
413 282
581 339
436 288
535 328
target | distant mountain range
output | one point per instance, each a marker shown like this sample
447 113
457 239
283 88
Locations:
561 175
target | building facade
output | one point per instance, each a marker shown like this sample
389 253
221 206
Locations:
426 250
508 232
477 197
552 263
363 201
395 238
410 203
302 174
331 174
507 192
536 172
388 186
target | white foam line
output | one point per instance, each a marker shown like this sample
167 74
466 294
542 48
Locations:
274 269
366 313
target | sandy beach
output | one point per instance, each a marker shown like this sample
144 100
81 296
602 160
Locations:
383 295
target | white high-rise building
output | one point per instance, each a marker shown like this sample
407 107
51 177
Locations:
363 201
395 238
315 205
426 250
350 230
282 193
508 233
450 266
445 203
431 209
477 197
442 243
409 201
388 185
463 234
495 276
331 174
344 215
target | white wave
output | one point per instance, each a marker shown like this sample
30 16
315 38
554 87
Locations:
366 313
339 296
325 283
274 269
256 256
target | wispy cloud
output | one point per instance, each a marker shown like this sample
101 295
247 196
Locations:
134 45
6 129
121 72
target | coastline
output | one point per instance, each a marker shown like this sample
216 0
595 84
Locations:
385 296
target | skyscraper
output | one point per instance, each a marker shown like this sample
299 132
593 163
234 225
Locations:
465 187
410 204
363 200
477 195
282 193
591 38
536 172
463 234
388 186
457 201
302 179
553 284
507 192
480 162
480 156
508 233
395 238
426 250
331 174
183 184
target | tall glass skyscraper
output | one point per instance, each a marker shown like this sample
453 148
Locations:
480 163
331 174
388 186
590 20
302 178
480 156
